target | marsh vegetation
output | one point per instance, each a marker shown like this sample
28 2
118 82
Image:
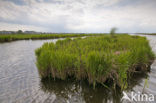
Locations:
95 59
151 34
13 37
20 80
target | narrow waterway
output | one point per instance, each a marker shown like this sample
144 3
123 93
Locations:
150 88
20 81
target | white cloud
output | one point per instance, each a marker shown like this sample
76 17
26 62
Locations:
79 15
15 27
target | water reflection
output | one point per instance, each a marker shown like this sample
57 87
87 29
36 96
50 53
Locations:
20 82
81 92
136 79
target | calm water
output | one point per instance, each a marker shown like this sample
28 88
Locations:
20 81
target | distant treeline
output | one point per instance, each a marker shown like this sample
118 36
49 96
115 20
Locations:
152 34
146 33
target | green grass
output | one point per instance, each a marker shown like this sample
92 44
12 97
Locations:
95 59
13 37
151 34
147 33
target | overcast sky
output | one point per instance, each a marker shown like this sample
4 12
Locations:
89 16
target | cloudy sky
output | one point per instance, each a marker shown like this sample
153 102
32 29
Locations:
91 16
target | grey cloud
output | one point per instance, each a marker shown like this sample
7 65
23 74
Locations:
17 2
81 15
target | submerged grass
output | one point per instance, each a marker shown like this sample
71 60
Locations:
13 37
96 59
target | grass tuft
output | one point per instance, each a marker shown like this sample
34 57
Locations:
95 59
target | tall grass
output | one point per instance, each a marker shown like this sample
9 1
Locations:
12 37
96 59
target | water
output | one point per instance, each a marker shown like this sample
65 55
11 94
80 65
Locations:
20 81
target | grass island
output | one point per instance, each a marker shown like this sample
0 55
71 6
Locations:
95 59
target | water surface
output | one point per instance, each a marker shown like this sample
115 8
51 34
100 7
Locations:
20 81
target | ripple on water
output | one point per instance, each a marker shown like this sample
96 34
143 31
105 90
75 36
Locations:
20 82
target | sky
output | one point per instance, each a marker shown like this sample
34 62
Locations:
78 16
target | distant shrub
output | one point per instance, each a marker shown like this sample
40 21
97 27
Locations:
112 31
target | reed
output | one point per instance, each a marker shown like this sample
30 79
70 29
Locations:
95 59
151 34
13 37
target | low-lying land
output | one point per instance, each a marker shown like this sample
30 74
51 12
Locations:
152 34
96 59
13 37
147 33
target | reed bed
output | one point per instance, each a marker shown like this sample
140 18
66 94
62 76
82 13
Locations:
147 33
151 34
13 37
96 59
